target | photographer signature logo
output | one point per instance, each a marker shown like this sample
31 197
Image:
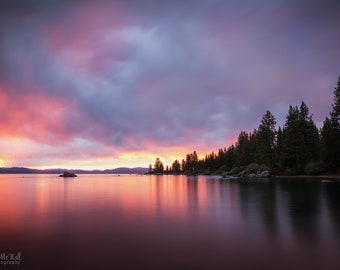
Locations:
10 258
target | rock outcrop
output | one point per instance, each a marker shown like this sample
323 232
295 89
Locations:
241 172
68 174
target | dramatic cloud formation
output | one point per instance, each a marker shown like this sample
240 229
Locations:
101 84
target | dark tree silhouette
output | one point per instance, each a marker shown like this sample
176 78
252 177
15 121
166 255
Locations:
158 166
176 166
300 139
330 135
265 138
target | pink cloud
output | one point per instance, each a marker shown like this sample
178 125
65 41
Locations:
132 77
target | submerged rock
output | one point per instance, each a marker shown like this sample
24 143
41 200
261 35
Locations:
68 174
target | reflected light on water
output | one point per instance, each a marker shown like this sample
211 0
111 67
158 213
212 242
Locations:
169 222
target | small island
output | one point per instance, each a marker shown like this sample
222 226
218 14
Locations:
68 174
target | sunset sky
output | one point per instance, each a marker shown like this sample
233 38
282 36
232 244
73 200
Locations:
105 84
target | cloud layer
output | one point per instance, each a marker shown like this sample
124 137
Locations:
109 78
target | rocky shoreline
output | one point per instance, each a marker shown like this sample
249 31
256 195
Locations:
250 171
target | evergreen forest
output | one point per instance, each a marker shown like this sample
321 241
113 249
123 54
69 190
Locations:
298 147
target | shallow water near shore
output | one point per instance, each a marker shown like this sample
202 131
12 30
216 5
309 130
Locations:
169 222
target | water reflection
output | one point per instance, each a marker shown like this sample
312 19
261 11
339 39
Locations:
331 197
259 200
303 208
169 222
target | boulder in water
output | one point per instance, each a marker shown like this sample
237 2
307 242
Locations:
68 174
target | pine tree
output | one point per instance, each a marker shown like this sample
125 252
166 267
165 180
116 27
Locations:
300 139
335 114
183 165
330 134
278 149
335 119
310 133
191 163
265 139
328 150
291 140
242 149
176 166
230 157
253 147
158 166
188 165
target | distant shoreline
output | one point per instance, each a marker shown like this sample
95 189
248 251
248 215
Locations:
120 170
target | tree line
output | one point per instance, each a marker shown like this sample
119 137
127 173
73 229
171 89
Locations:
298 147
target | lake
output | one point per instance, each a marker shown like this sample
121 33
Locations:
168 222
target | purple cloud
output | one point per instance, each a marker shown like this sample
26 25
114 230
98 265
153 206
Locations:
124 74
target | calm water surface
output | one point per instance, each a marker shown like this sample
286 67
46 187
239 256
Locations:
169 222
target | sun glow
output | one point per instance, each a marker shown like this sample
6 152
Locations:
166 155
87 155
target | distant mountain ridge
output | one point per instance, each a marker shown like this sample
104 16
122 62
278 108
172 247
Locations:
120 170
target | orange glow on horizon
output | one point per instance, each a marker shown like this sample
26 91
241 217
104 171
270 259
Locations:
26 153
167 155
32 139
2 161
